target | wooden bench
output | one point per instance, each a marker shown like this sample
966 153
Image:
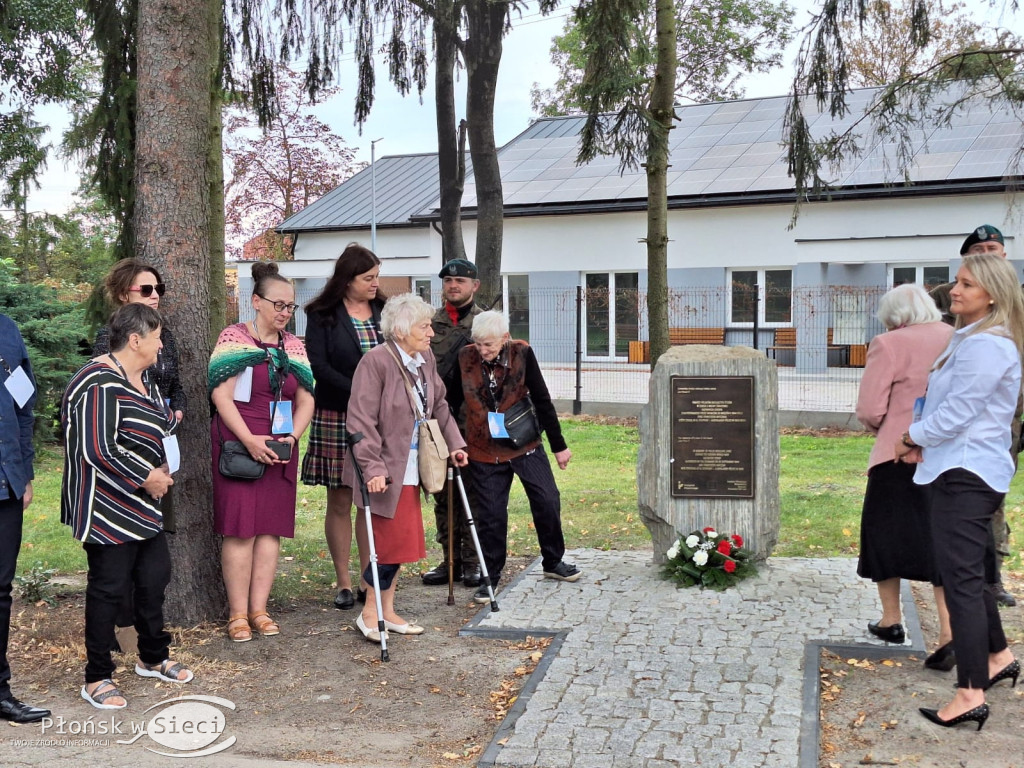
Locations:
785 339
640 351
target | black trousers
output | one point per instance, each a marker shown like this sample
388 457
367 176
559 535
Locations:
142 568
962 506
11 516
493 483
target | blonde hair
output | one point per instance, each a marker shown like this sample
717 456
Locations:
907 304
997 277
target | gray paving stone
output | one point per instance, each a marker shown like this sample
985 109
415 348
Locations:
627 691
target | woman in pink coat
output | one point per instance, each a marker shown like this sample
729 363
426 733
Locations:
895 535
393 384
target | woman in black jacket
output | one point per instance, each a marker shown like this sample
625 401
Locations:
342 325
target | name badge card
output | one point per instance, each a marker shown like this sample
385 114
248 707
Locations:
918 409
496 423
20 386
172 453
281 417
243 386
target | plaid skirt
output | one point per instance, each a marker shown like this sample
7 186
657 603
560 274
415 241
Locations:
328 446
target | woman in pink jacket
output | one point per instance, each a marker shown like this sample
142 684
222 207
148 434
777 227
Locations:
895 535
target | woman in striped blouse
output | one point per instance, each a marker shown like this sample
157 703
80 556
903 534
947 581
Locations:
118 437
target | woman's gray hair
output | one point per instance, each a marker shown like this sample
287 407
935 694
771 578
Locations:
489 325
401 313
132 318
907 304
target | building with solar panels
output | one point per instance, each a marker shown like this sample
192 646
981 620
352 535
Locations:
736 263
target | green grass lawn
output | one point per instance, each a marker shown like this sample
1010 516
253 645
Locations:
822 484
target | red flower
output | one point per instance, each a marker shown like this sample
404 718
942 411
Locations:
724 547
709 528
737 540
729 566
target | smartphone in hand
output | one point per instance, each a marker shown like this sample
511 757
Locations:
282 449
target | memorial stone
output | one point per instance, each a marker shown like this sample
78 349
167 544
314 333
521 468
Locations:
709 447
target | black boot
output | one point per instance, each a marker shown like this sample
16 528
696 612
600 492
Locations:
439 575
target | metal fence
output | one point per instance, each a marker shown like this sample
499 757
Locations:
592 343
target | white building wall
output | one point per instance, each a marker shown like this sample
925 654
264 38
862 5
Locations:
910 230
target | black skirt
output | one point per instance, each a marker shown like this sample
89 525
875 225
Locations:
895 532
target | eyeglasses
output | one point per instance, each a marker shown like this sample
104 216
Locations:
147 290
279 306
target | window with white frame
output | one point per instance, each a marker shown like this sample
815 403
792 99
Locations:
769 292
421 287
612 312
927 275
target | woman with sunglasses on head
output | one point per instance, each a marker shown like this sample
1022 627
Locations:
261 384
133 281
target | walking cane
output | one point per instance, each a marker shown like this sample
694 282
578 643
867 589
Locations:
353 438
451 534
486 577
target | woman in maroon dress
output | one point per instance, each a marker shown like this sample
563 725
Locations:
258 369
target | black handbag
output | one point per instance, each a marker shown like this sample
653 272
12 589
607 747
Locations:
521 423
235 461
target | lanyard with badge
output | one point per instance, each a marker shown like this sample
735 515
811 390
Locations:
17 383
172 453
495 420
280 410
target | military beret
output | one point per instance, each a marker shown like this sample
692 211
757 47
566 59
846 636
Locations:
458 268
982 234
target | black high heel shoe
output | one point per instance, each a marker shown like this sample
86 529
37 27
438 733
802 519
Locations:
978 714
892 634
1010 671
944 658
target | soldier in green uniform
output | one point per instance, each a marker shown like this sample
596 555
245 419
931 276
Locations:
452 324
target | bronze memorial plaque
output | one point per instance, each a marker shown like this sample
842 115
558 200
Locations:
713 436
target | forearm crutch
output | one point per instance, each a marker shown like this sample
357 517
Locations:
451 536
353 438
486 577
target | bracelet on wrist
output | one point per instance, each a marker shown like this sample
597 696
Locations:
905 439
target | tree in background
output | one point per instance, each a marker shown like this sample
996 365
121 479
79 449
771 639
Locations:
470 30
936 84
71 249
42 45
718 42
178 54
279 171
880 49
51 326
628 90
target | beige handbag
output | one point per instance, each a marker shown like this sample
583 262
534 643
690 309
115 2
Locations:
432 459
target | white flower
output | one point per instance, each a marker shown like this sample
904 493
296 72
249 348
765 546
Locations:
707 545
700 557
692 541
673 552
711 534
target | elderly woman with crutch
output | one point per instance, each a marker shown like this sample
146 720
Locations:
394 386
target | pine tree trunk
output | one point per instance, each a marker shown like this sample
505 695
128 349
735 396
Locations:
663 114
450 164
215 166
485 21
172 227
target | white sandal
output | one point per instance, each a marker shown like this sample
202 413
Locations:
107 689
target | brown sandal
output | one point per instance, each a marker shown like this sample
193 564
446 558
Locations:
238 629
263 624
